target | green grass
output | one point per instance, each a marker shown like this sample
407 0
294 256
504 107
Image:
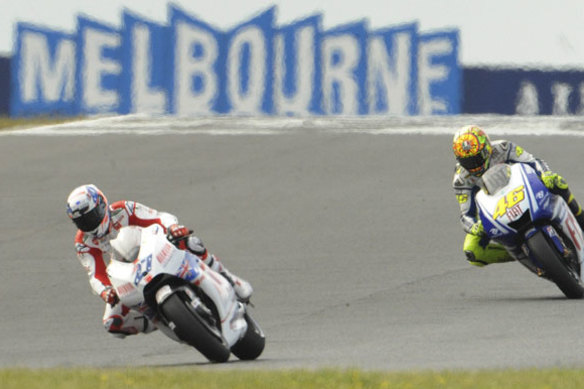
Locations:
10 123
194 378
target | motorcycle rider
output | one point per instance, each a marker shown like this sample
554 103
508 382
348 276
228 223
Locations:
475 153
98 222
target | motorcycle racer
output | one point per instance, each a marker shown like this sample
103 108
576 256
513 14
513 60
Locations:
99 222
475 153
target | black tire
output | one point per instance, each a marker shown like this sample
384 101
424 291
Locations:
554 266
253 342
191 328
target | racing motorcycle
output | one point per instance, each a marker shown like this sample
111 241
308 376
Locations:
517 210
188 301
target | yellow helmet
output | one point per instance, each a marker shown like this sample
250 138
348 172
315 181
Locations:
472 149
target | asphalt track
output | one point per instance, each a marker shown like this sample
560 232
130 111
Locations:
351 240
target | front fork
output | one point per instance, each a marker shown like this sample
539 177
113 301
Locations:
222 295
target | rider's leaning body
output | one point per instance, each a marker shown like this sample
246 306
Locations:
475 153
99 222
93 252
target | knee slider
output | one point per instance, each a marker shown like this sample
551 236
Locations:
113 324
471 257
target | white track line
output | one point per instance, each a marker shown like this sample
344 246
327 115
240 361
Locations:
373 125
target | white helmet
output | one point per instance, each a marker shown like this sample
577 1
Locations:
88 208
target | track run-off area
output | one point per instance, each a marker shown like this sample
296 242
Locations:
346 227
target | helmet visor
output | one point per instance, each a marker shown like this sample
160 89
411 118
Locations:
475 164
472 163
91 220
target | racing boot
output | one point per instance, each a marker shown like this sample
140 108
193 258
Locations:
561 188
243 289
479 252
576 209
121 321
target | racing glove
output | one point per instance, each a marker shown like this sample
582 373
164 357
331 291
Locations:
109 296
553 180
177 231
549 179
177 235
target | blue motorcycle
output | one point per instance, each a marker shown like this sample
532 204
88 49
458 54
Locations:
519 212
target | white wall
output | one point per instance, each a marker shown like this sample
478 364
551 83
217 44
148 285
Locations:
535 33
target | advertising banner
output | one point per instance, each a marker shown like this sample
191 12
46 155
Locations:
4 85
189 67
523 92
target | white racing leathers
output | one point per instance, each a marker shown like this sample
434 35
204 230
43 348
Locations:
142 254
94 254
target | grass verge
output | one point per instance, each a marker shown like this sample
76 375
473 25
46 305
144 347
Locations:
194 378
7 123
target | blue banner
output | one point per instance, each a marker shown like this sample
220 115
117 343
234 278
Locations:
344 74
4 86
393 70
196 71
297 68
439 75
42 72
188 67
523 92
144 81
98 63
249 66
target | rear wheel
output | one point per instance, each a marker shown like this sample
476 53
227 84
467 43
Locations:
195 328
253 342
555 266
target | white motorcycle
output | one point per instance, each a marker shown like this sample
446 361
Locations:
186 300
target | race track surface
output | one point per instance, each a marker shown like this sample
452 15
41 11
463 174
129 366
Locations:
351 240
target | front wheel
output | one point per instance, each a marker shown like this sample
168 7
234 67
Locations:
192 328
253 342
555 267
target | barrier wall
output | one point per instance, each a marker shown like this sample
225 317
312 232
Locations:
493 91
189 67
523 92
4 85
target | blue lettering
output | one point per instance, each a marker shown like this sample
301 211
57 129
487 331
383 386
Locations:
197 71
98 67
43 72
143 78
438 74
297 72
189 67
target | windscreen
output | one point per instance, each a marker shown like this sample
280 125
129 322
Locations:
496 177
